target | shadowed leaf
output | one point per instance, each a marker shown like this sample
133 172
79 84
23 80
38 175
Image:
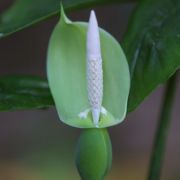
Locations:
152 46
24 92
24 13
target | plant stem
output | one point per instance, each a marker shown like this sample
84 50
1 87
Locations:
162 130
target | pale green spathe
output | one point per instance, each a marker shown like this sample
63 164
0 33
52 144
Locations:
66 68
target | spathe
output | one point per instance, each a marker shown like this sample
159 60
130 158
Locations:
67 75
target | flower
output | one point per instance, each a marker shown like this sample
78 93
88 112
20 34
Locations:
88 74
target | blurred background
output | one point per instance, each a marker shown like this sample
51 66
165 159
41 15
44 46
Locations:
35 145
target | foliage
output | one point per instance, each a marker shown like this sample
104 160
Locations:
22 92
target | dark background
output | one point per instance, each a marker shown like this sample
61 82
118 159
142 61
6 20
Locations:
35 145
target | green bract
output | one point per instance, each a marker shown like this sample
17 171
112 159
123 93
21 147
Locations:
66 68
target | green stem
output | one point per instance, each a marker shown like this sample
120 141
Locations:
162 131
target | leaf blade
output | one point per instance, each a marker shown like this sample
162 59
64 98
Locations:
24 92
152 47
24 13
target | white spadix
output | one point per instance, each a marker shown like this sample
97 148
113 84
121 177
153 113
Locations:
94 68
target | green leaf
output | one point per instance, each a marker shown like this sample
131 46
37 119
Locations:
152 46
24 13
67 75
23 92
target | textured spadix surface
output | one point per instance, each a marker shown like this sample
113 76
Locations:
66 68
